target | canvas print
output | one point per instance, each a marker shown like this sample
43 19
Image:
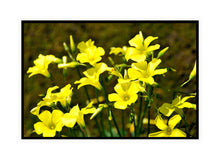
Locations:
110 79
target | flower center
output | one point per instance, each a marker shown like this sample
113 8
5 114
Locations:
52 126
126 98
169 130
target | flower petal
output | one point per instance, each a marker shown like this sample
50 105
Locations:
120 105
160 71
114 97
135 54
68 120
160 123
45 117
56 116
174 121
153 65
148 40
166 109
137 41
177 133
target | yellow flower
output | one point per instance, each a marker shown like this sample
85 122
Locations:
41 65
177 105
117 50
144 72
140 48
168 130
89 52
126 94
64 97
92 76
50 123
77 116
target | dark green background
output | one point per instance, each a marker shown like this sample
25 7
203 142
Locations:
47 38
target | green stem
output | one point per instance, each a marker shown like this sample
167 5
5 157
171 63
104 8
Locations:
109 106
139 113
100 114
150 90
113 117
122 121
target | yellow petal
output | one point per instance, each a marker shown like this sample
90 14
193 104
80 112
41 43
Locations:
187 105
186 98
149 80
148 40
82 57
173 121
49 132
153 48
45 117
135 55
160 123
56 116
137 41
177 133
167 109
160 71
134 74
141 66
69 120
153 65
114 97
39 127
133 99
120 105
80 120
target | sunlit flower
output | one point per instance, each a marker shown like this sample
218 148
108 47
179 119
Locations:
144 72
177 105
77 116
168 130
41 65
89 52
92 76
64 97
50 123
140 48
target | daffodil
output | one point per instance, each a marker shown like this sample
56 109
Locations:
140 48
77 116
41 65
177 105
50 123
144 72
92 76
64 97
89 53
168 130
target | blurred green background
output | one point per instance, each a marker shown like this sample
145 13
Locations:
47 38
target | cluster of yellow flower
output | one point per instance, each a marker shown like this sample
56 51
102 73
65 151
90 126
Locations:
130 85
